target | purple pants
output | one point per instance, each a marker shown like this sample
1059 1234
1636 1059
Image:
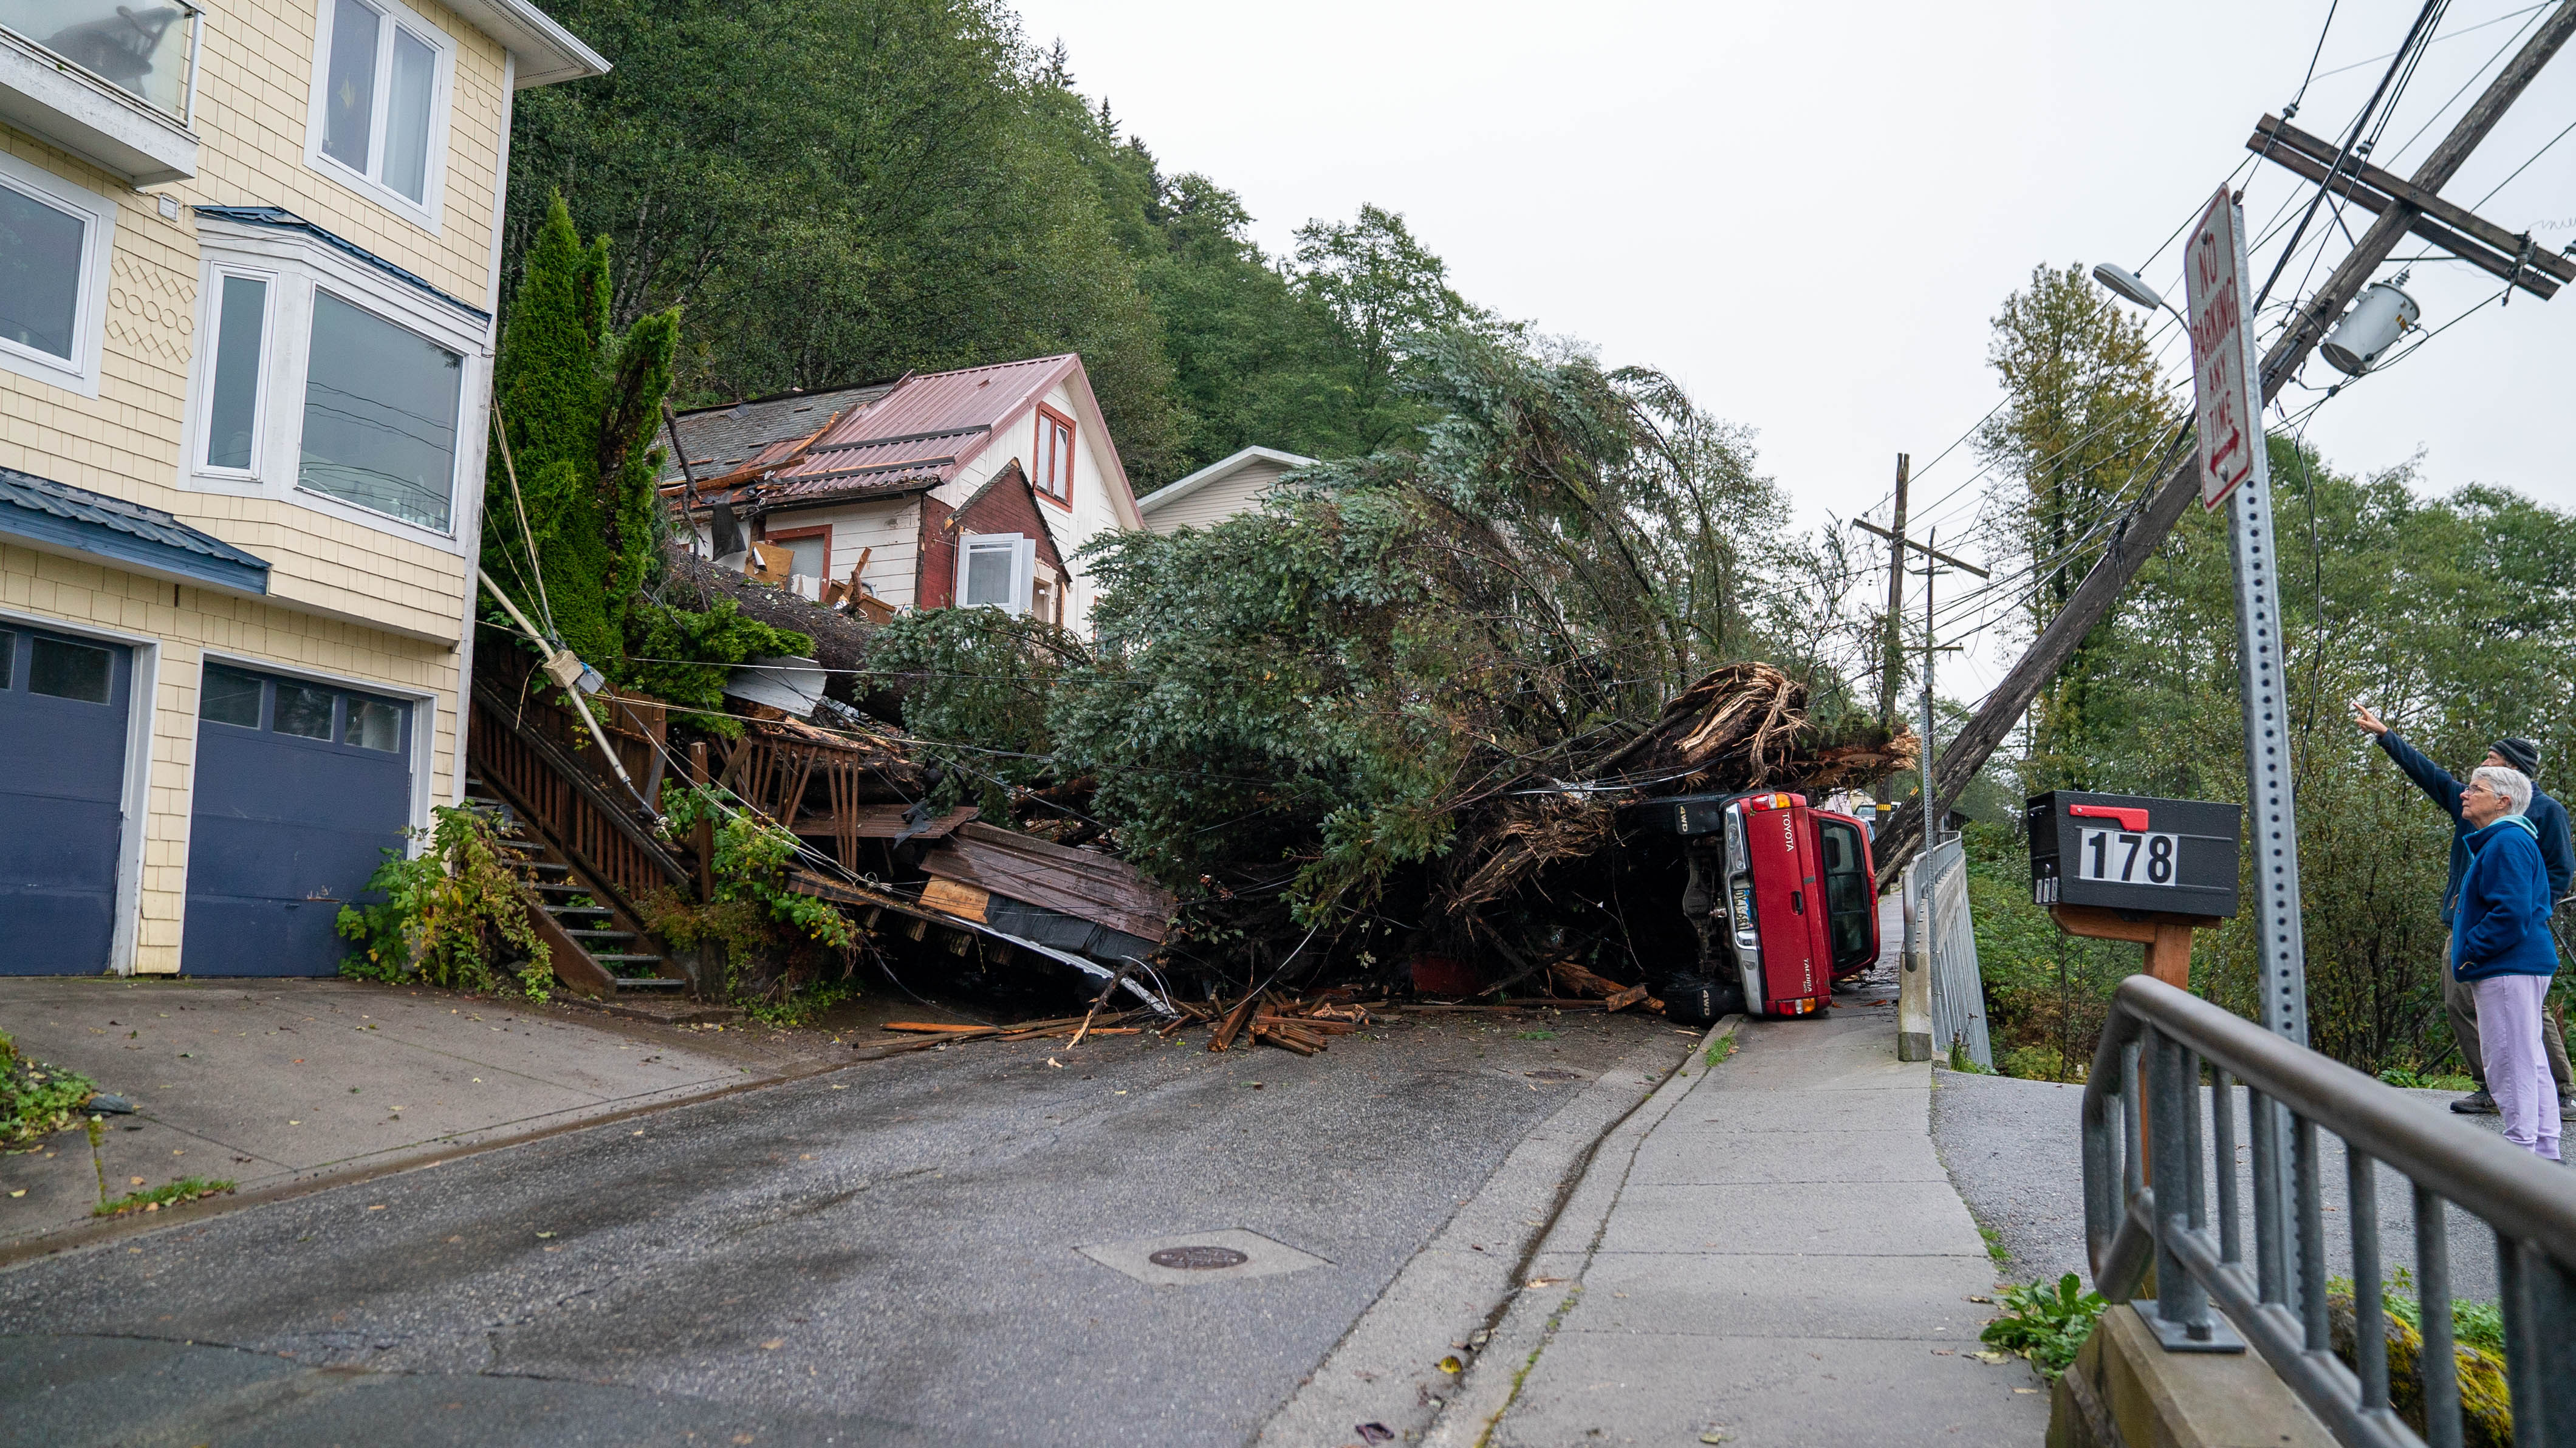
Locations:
2509 1027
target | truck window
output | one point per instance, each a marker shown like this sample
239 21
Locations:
1849 906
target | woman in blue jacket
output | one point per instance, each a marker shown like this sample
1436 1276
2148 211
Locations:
2501 949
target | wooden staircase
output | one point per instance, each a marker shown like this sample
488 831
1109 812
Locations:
597 945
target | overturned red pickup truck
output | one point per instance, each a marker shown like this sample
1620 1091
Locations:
1780 897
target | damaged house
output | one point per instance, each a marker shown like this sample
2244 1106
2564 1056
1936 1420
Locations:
972 487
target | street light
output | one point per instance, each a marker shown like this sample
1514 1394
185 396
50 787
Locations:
2124 283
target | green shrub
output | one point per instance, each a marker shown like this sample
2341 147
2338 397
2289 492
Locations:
2041 1063
2046 1324
451 917
776 942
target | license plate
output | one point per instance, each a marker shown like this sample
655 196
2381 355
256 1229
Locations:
2129 858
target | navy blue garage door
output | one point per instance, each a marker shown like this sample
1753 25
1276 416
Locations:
300 789
62 800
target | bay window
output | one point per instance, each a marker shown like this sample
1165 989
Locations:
330 383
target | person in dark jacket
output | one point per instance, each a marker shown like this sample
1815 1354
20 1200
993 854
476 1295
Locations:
2501 949
2557 855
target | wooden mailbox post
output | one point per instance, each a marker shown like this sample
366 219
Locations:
2129 867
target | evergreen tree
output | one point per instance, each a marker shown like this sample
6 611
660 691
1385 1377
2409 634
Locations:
579 402
2084 417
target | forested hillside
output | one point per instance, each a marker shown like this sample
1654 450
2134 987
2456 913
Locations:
862 187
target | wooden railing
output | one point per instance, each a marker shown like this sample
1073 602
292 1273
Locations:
509 744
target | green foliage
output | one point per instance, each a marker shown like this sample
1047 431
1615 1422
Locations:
581 402
452 917
2477 1334
2410 1079
711 641
37 1099
185 1189
2451 615
2045 1323
1720 1049
1962 1062
857 187
1328 681
2083 422
802 1006
752 858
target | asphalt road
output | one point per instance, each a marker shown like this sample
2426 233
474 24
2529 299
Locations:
2014 1150
886 1255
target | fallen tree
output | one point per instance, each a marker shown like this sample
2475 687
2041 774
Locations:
1396 711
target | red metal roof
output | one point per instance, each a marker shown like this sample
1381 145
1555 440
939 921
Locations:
929 422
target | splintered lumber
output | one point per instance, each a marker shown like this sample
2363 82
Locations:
1224 1034
1575 977
967 901
1625 998
1324 1025
937 1026
1286 1039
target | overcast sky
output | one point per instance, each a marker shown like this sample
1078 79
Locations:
1809 214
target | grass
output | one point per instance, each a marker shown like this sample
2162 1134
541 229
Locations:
185 1189
1721 1048
2045 1323
1995 1245
1535 1036
2425 1080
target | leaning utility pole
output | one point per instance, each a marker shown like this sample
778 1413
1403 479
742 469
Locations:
1891 667
2403 210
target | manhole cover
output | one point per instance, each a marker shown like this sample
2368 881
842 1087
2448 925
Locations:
1553 1074
1198 1259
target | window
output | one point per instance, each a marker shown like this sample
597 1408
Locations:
997 571
307 711
53 253
66 670
304 711
229 696
324 382
374 724
1054 475
380 408
380 83
809 550
232 408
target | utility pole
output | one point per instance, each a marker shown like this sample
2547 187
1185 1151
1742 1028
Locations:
1892 644
1934 560
2179 468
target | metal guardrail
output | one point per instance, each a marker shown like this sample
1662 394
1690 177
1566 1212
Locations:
2145 1091
1950 935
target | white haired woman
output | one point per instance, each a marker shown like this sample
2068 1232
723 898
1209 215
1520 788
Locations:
2501 948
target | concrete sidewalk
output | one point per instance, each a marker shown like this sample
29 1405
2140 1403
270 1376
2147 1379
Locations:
272 1082
1768 1253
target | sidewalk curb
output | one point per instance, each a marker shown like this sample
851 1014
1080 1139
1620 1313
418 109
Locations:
1384 1368
1556 1264
203 1209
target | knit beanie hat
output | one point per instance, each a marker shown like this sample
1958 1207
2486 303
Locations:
2522 754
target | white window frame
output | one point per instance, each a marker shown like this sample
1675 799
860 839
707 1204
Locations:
423 213
1024 557
201 387
296 265
78 374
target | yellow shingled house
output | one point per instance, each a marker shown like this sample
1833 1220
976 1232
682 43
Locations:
249 260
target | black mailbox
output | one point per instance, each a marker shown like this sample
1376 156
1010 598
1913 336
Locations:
2130 852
